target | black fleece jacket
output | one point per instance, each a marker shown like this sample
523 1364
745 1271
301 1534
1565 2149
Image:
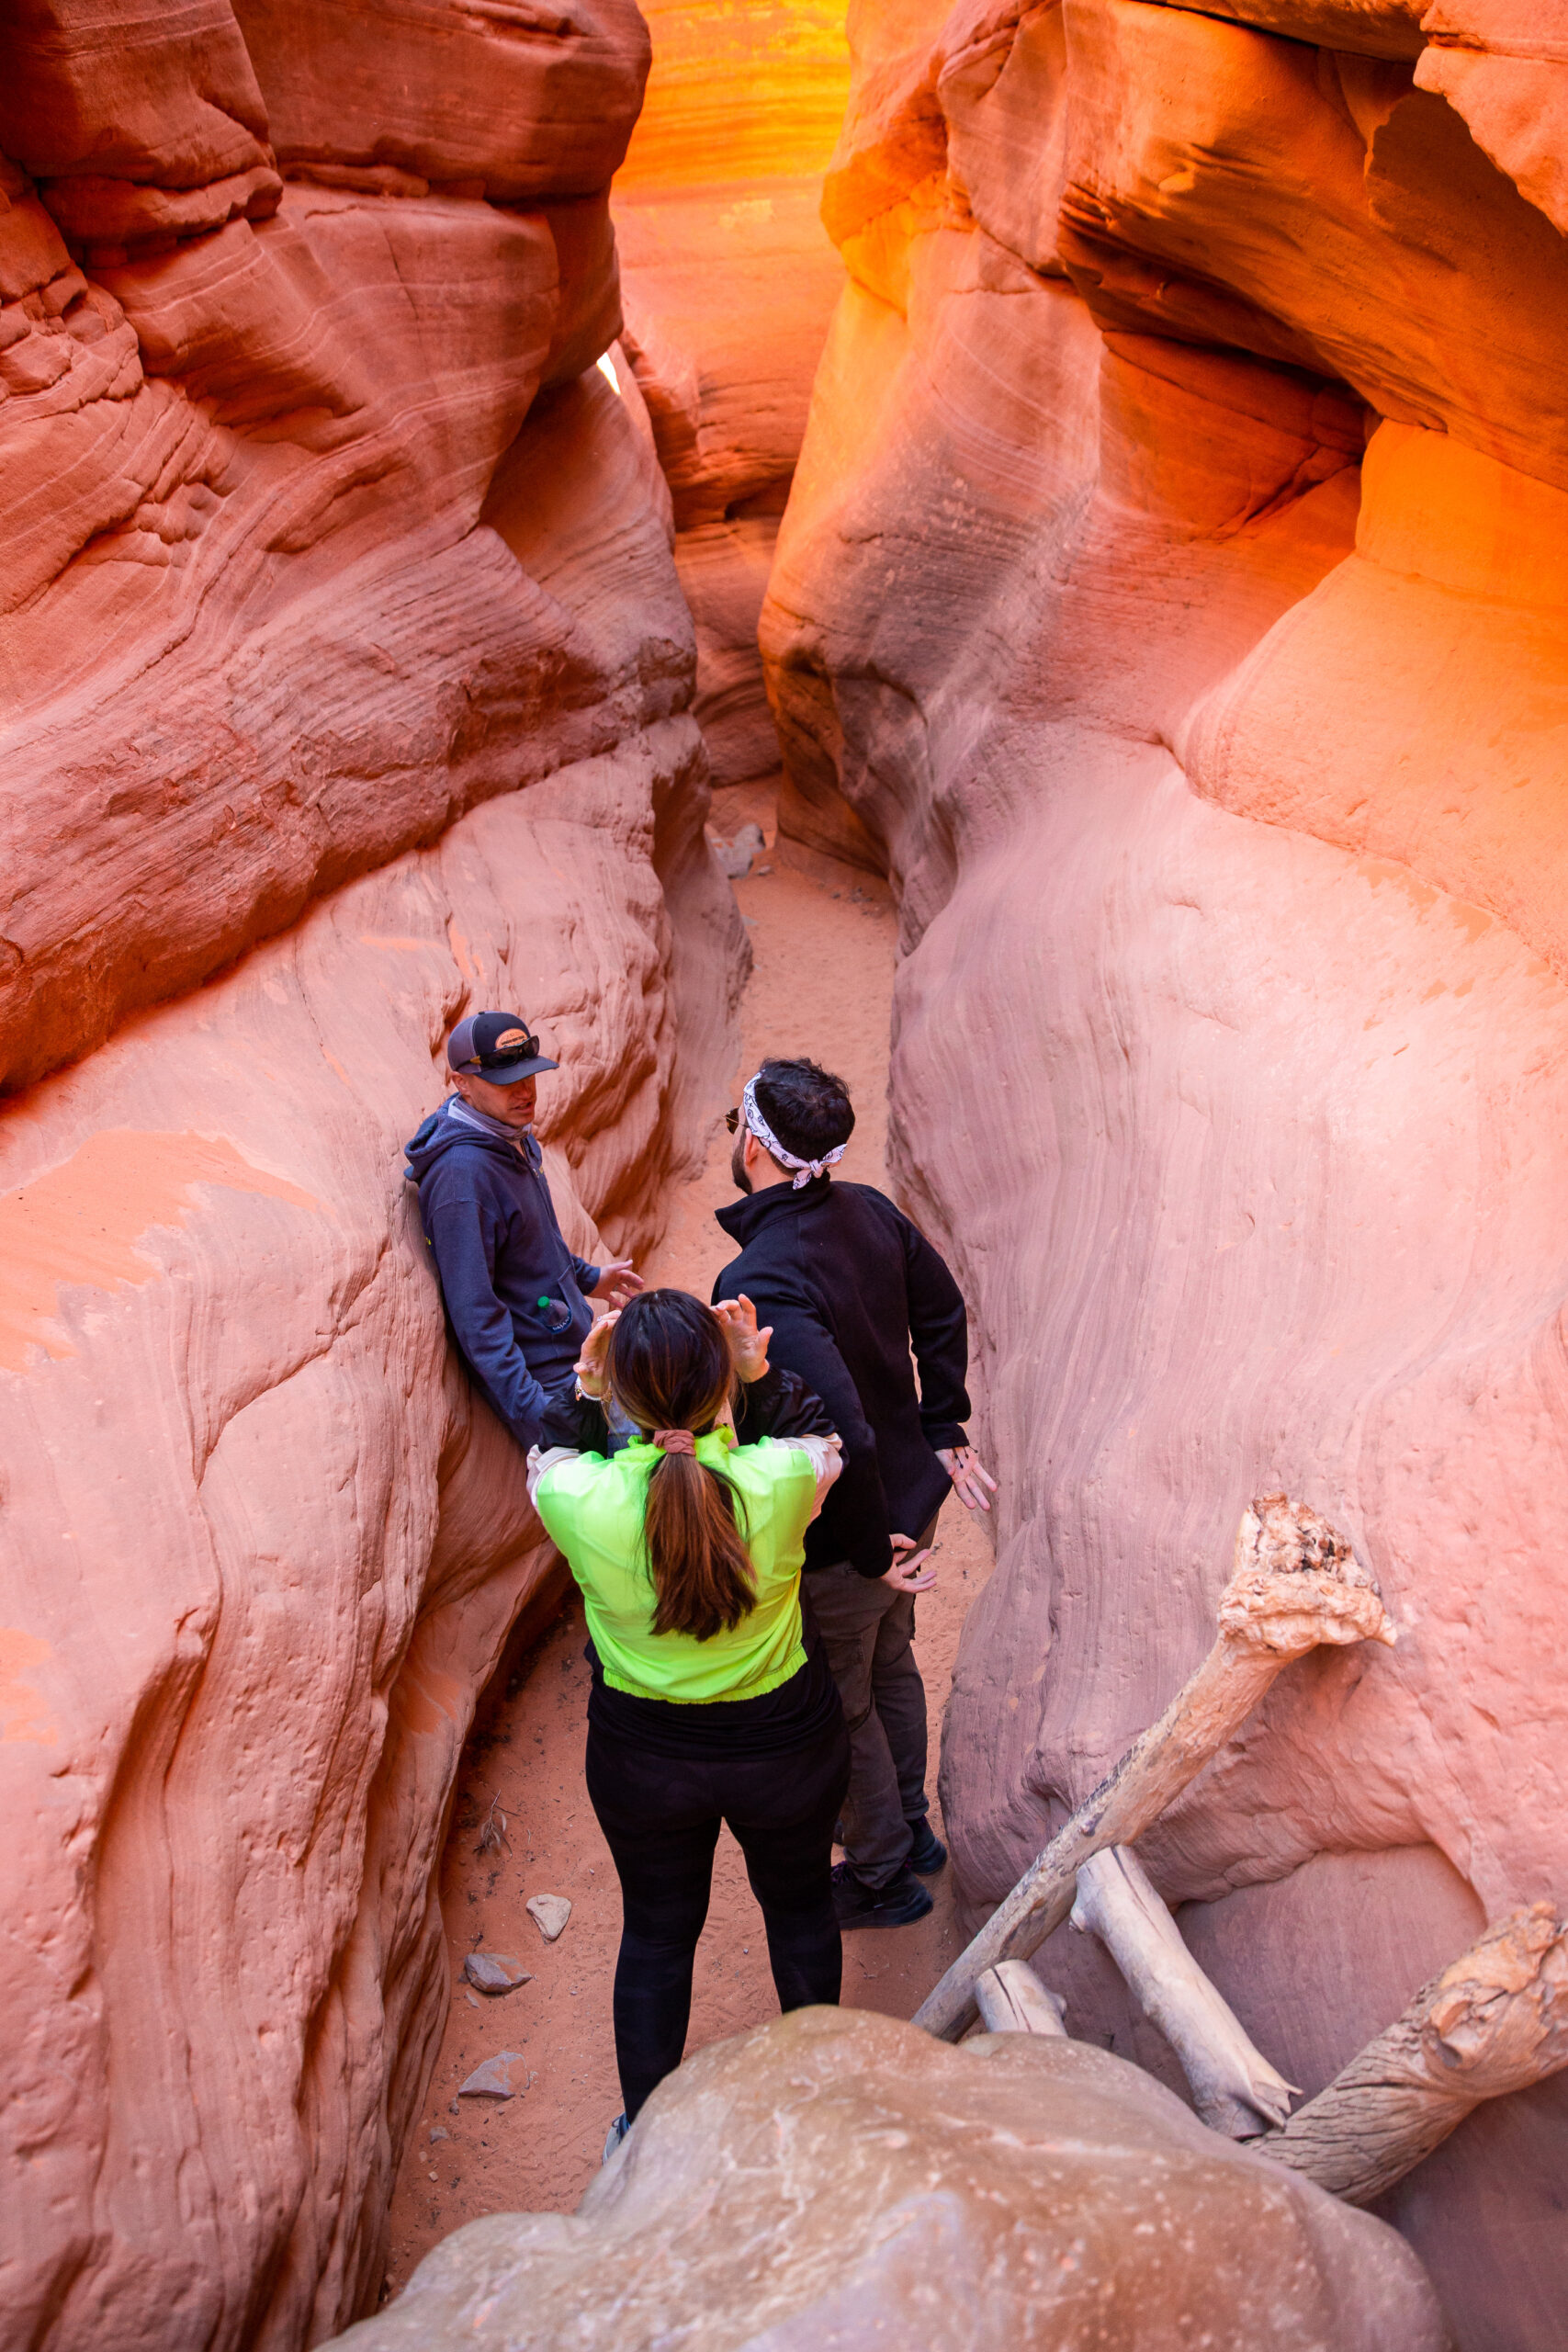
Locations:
849 1284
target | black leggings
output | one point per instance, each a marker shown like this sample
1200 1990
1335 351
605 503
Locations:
660 1818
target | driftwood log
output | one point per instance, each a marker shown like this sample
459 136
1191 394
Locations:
1235 2088
1011 1999
1296 1585
1494 2021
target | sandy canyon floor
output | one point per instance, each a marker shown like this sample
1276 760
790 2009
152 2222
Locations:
823 977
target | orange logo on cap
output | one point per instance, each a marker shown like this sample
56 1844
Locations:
509 1037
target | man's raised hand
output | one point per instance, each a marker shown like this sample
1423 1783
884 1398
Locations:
909 1572
747 1346
969 1476
618 1281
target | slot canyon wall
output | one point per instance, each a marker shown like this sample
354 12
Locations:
729 283
1173 599
347 685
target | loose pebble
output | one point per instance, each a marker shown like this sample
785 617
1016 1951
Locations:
502 2076
496 1972
551 1912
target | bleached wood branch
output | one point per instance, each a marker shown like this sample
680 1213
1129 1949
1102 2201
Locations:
1235 2088
1011 1999
1495 2021
1296 1585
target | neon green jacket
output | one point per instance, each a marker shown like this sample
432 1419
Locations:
595 1509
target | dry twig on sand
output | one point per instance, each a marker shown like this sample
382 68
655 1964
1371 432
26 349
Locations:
492 1831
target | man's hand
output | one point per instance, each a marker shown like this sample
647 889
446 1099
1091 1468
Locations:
969 1476
905 1574
591 1366
617 1281
747 1346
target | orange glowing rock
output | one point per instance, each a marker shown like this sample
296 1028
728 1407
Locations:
1172 600
729 283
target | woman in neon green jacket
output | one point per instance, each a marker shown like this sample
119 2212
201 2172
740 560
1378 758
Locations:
705 1707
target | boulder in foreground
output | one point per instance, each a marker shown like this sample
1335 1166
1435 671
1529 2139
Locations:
839 2178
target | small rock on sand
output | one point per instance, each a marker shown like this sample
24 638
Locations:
502 2076
495 1971
736 856
551 1912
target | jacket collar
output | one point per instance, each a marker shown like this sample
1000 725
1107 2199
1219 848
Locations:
743 1219
463 1124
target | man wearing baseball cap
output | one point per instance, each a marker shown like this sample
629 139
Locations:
515 1295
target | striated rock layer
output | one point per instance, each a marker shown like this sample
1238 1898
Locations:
1172 599
266 1550
729 283
837 2178
346 671
254 638
263 1547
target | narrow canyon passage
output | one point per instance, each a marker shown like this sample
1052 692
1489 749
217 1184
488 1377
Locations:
821 984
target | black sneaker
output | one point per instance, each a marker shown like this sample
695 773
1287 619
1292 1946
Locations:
927 1854
893 1905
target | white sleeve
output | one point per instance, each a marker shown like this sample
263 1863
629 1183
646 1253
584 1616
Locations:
541 1459
826 1460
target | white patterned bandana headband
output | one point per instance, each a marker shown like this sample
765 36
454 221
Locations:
805 1168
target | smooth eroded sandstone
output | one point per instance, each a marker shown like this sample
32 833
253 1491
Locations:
838 2177
1168 601
262 1546
347 681
729 282
255 638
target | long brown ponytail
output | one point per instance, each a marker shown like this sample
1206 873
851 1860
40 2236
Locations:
670 1368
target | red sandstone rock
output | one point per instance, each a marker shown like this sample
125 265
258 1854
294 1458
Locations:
239 457
1216 773
502 2076
320 528
837 2178
509 101
263 1549
729 283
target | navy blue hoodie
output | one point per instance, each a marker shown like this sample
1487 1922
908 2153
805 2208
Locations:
491 1226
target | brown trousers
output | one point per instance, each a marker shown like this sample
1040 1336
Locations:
868 1630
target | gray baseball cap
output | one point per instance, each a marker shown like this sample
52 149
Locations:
497 1046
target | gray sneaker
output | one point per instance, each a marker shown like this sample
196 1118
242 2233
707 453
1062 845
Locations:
612 2138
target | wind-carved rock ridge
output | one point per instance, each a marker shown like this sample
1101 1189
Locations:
246 448
729 282
1171 600
347 682
262 1546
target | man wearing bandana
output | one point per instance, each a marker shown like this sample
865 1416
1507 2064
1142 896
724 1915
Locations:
851 1286
515 1295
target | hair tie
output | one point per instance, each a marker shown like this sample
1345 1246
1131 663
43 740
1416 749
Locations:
674 1441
